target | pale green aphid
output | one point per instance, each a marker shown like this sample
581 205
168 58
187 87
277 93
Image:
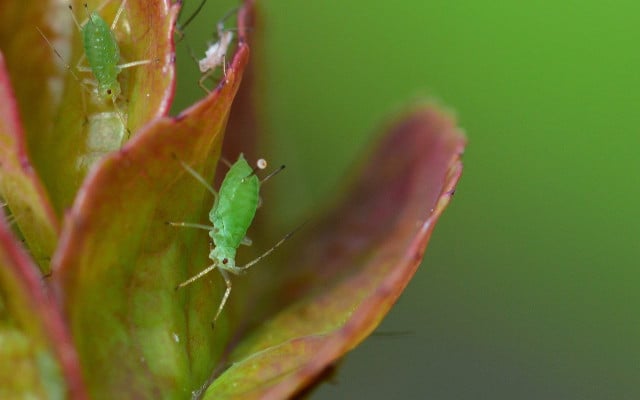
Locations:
103 55
231 215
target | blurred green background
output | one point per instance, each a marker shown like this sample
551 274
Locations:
529 287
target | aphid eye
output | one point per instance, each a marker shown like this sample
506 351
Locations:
108 91
225 261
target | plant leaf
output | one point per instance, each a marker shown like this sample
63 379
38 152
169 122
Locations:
352 266
119 262
38 360
21 188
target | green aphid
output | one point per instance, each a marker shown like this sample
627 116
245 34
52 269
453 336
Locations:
102 53
232 213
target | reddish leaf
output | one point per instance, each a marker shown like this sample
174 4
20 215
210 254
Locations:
119 262
38 360
353 266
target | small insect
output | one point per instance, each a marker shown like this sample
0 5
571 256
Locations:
215 56
231 215
102 54
216 53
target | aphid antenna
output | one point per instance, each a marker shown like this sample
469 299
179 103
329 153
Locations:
73 16
181 27
67 66
272 174
86 10
200 179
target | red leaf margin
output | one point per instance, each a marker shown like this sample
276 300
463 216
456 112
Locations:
43 309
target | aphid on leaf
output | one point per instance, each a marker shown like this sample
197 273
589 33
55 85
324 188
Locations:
215 56
102 53
231 215
216 53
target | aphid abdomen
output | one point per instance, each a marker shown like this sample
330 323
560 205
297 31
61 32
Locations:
236 207
103 55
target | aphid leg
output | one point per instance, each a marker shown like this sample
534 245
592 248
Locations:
200 179
197 276
226 162
266 253
246 241
271 175
203 78
118 13
224 65
227 292
9 218
134 64
180 27
192 225
120 115
66 65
